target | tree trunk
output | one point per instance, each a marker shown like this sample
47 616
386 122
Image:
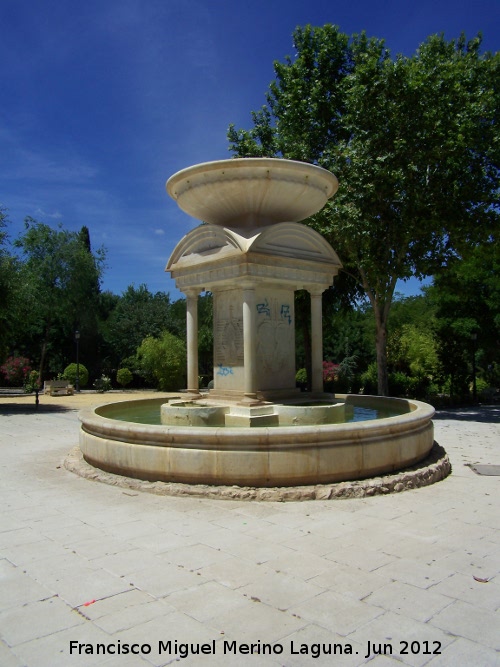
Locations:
381 345
381 303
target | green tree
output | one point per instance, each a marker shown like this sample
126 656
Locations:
415 352
414 142
84 236
124 376
467 303
59 277
8 286
138 313
349 332
70 373
163 360
416 310
3 226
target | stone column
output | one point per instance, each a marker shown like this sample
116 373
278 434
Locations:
192 341
249 343
316 339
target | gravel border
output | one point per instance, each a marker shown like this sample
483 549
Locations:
434 468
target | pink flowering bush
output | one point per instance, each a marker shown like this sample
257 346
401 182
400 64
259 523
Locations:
15 370
330 371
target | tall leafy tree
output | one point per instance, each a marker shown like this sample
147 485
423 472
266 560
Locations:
138 313
467 303
59 277
8 286
3 226
414 142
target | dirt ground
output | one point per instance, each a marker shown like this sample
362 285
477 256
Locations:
78 400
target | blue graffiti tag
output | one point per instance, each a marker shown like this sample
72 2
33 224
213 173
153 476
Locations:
263 308
225 370
285 313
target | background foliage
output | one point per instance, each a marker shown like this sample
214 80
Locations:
415 144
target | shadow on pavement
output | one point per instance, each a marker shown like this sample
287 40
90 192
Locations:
9 409
489 414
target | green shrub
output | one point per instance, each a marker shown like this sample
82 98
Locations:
163 361
414 351
103 384
345 380
32 382
369 379
69 374
301 376
402 385
483 389
124 377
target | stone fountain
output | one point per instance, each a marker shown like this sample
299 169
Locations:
254 428
252 255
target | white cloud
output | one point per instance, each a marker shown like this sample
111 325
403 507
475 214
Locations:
40 213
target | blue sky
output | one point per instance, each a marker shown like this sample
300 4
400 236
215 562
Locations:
103 100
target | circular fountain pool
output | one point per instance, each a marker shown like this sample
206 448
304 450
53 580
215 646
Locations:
258 456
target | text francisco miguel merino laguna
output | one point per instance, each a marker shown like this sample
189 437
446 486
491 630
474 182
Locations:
226 647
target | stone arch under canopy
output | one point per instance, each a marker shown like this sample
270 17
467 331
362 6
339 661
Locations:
204 241
295 240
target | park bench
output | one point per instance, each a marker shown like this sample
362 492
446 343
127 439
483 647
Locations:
58 388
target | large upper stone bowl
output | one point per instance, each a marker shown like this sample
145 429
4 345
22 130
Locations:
252 192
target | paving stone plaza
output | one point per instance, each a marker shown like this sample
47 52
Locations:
93 574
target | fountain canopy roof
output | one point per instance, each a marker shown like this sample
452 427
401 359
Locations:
252 192
286 253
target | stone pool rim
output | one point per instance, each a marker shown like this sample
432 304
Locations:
261 456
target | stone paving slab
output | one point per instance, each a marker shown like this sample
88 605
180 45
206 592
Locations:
408 578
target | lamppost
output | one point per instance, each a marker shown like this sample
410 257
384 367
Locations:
77 340
474 385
